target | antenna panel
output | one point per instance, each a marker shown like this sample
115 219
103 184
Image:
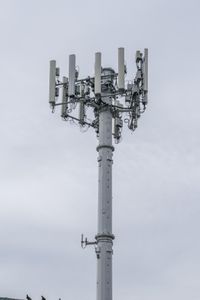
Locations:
81 112
145 76
97 83
52 82
138 56
64 106
121 68
72 74
145 70
57 72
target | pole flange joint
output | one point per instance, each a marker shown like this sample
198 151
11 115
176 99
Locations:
105 146
105 236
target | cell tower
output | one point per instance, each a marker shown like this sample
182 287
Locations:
105 103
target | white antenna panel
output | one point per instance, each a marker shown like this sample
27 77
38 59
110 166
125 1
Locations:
145 70
121 68
52 82
72 74
97 83
64 97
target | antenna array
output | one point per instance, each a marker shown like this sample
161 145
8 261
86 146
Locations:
128 100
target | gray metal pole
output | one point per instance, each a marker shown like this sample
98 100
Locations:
104 236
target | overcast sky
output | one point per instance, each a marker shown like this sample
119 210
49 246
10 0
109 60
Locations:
48 168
